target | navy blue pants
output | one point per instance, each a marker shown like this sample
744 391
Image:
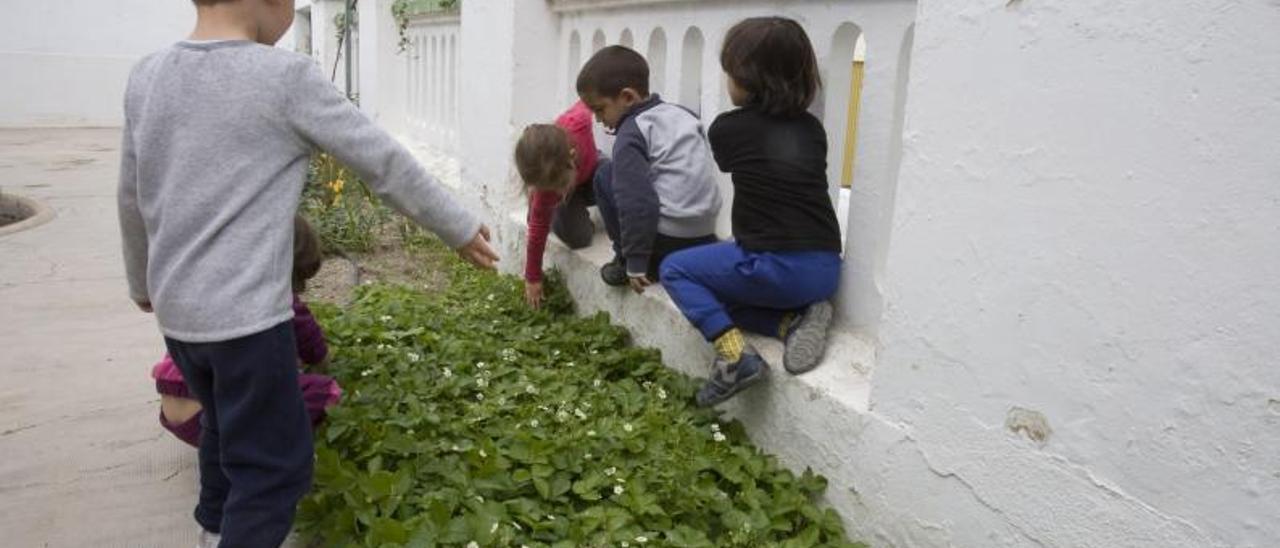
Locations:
256 452
606 202
720 286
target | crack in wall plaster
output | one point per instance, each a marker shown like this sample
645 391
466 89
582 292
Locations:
973 492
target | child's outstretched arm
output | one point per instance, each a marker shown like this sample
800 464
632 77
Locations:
320 114
133 232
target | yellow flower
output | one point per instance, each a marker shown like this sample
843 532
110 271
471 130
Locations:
336 185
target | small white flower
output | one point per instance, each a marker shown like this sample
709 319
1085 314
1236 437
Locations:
493 529
366 372
578 413
625 544
473 544
648 384
571 364
447 373
589 455
481 365
382 347
413 357
562 415
617 489
492 296
591 434
610 471
715 427
455 449
642 539
594 351
555 352
530 389
551 517
534 423
385 319
484 455
479 396
596 383
718 437
481 382
662 394
627 427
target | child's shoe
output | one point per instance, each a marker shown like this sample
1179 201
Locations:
806 338
614 272
728 379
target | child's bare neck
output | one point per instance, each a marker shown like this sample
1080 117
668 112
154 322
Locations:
229 21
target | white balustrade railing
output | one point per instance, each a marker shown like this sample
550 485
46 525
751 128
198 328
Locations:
431 76
863 49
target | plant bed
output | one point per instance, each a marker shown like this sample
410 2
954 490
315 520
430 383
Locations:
470 420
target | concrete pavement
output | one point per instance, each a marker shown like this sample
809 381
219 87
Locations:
83 461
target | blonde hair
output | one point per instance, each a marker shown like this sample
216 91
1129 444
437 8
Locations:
544 157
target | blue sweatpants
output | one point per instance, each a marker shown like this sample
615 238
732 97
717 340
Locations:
720 286
256 452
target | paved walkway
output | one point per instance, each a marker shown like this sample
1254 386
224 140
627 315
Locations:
82 460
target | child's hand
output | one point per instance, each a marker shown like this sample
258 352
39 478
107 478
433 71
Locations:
638 283
144 306
478 252
533 294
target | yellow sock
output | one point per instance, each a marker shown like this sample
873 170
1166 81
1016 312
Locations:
785 325
730 344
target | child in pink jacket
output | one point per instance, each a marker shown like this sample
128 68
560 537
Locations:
180 413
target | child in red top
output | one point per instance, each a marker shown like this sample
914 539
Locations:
557 163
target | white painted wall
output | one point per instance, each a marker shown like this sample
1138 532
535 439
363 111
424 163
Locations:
1088 225
66 62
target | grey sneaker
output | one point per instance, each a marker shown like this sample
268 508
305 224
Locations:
614 272
728 379
807 339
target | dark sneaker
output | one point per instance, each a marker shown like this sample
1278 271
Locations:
614 272
728 379
807 339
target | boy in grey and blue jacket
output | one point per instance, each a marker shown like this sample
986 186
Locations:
659 193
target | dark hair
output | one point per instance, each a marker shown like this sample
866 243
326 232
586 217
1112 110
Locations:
611 70
306 253
771 59
544 157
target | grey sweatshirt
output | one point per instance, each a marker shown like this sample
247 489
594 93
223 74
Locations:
216 145
664 179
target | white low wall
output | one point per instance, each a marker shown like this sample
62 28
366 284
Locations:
66 62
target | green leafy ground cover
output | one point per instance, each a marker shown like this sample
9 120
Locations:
470 420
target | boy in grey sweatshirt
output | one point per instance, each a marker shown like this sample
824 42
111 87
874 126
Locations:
218 133
659 194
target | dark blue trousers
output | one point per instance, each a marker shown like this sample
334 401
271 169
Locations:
720 286
256 451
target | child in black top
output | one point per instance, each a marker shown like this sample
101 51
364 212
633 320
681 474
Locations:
776 277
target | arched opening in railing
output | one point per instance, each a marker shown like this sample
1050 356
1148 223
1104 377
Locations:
572 62
843 70
451 117
597 41
657 57
691 70
627 39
